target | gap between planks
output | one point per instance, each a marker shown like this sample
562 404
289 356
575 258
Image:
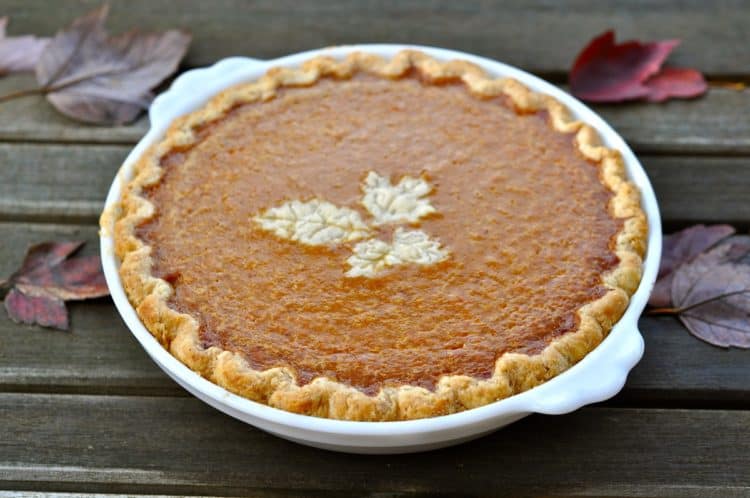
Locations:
92 444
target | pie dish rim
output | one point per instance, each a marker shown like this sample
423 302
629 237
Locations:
159 116
277 386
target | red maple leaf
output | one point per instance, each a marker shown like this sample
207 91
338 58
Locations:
609 72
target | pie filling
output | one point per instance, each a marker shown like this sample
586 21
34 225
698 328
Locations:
381 232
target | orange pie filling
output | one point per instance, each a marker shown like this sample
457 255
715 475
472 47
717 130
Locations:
381 232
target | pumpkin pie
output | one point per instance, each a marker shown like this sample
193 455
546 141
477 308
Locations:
370 239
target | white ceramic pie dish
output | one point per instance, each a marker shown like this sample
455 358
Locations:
599 376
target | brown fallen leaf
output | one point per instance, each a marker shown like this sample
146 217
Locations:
19 53
704 280
96 78
93 77
49 276
679 248
711 294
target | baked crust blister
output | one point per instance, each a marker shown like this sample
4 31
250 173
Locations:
513 372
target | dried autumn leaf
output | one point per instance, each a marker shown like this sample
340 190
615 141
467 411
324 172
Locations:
679 248
93 77
608 72
711 294
19 53
675 82
36 309
739 249
48 277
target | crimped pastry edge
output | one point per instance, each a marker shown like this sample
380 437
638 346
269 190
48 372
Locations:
513 373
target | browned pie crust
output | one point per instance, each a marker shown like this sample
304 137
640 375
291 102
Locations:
513 373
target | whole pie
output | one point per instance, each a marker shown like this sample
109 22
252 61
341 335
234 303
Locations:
372 239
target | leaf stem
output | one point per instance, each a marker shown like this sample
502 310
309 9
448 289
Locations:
23 93
682 309
664 311
44 90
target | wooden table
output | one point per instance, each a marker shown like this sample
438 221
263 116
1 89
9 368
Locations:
86 411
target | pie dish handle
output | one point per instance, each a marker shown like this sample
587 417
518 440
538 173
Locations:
599 376
193 88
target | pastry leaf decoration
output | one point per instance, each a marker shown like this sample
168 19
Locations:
314 223
321 223
413 246
403 202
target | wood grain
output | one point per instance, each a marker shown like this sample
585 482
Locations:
539 36
53 494
679 369
714 124
56 182
87 411
127 444
700 189
99 355
51 182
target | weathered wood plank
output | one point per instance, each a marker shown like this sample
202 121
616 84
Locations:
714 124
56 182
45 182
99 355
129 444
679 369
612 491
540 36
700 189
53 494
